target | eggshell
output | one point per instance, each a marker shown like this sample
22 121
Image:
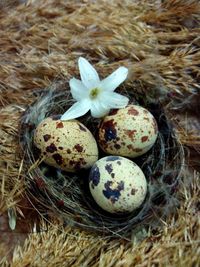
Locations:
129 132
67 145
117 184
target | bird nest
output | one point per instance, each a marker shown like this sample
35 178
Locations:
67 195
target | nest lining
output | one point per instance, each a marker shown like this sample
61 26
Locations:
68 195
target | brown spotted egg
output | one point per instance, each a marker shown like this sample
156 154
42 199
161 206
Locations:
130 132
117 184
67 145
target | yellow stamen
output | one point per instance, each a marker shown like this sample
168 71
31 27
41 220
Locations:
94 93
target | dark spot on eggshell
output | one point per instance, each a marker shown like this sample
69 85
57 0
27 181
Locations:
113 199
113 175
144 139
146 119
82 128
109 130
83 162
113 194
133 191
94 176
130 134
131 147
46 137
103 144
68 151
44 125
109 168
137 150
59 125
51 148
119 162
78 148
121 186
132 111
117 146
60 147
112 158
58 158
145 111
76 164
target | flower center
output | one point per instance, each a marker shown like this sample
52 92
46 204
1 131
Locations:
94 93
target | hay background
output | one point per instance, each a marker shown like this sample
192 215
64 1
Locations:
40 42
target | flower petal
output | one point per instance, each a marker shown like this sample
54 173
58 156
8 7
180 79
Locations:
98 110
114 100
115 79
77 110
78 89
89 76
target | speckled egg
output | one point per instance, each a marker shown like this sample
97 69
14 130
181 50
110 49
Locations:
130 132
117 184
67 145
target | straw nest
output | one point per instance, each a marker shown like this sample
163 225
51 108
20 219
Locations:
67 195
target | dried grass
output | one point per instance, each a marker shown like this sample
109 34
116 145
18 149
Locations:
47 40
10 165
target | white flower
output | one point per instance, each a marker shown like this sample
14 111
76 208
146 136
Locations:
93 94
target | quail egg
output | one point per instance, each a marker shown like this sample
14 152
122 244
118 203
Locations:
67 145
129 132
117 184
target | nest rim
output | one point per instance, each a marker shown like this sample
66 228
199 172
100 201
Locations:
84 213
